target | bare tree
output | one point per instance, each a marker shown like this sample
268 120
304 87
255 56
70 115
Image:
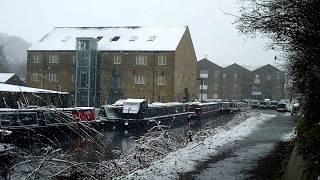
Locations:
294 27
3 61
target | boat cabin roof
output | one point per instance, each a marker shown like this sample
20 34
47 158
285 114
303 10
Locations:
44 108
170 104
118 103
134 101
203 104
132 106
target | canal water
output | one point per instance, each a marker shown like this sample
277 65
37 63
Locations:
124 139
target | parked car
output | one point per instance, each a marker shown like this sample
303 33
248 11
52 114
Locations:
254 104
282 107
274 104
263 105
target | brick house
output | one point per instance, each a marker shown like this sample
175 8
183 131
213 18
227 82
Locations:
209 80
235 82
268 83
156 63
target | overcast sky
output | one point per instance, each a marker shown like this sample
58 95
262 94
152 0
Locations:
212 31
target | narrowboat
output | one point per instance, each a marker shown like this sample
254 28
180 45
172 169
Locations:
226 107
47 123
204 110
137 113
86 114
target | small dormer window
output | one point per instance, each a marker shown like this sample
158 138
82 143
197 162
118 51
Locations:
99 38
133 38
116 38
151 38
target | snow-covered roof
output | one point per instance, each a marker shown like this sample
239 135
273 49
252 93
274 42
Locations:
132 106
4 77
118 103
14 89
159 104
131 38
252 67
129 100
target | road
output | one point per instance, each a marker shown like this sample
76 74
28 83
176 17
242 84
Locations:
233 161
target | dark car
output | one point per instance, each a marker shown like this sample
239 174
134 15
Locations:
282 107
274 105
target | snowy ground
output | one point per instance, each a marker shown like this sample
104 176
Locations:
185 159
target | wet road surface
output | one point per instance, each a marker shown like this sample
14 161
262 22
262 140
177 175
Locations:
235 160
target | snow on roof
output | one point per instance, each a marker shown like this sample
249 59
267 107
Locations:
251 67
158 104
129 100
4 77
132 38
14 88
118 103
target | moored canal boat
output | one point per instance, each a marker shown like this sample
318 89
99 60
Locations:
204 110
137 113
46 123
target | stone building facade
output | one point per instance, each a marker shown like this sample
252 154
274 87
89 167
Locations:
155 63
209 80
268 83
237 83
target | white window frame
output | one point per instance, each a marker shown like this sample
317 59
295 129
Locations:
162 60
141 60
35 77
225 76
161 80
139 79
204 73
53 59
117 59
52 77
36 58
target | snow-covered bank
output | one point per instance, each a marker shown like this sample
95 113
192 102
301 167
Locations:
289 136
185 159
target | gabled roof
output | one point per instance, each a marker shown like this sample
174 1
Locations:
205 60
129 38
267 67
235 65
251 67
23 89
4 77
